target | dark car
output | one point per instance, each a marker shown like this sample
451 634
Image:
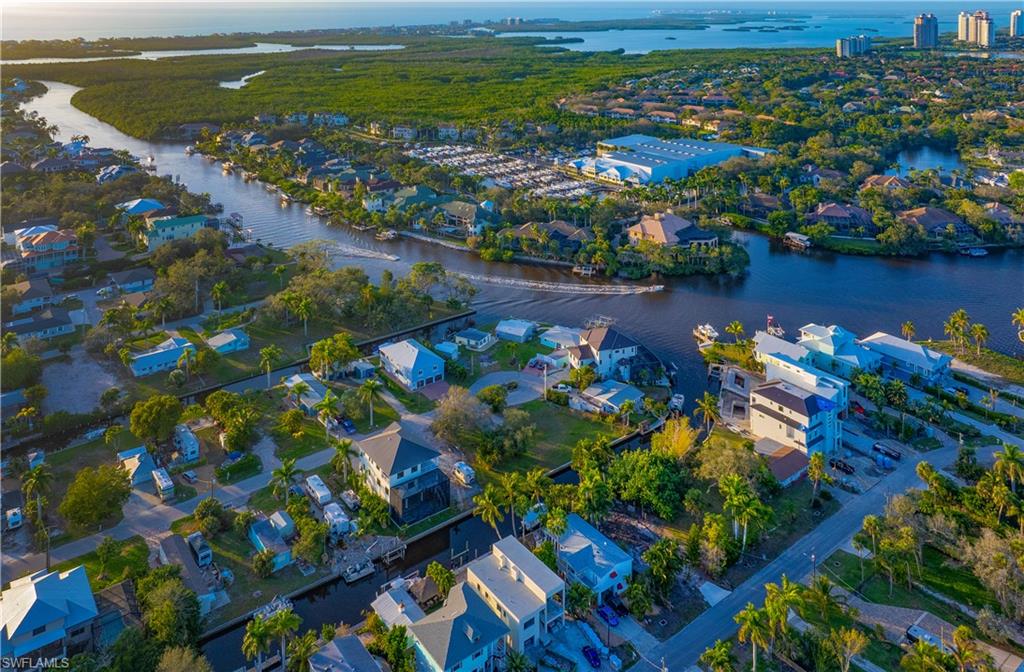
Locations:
590 653
607 615
618 606
840 465
348 426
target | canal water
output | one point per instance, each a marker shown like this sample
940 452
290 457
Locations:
863 294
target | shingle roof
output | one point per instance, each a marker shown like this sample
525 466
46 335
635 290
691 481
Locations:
587 551
606 338
33 289
343 654
464 625
41 598
393 453
907 351
792 397
132 275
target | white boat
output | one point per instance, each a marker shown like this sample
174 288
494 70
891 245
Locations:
234 220
190 150
275 605
359 570
285 198
705 334
227 167
676 402
387 234
309 210
978 252
774 328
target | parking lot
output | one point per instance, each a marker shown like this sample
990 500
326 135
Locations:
504 171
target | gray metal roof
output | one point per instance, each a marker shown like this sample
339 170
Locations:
343 654
393 453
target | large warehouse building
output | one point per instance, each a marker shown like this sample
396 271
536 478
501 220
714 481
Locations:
643 159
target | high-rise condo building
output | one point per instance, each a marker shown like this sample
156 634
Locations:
976 28
926 31
1017 23
963 22
855 45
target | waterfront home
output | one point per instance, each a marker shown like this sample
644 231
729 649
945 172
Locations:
843 218
465 217
559 337
111 173
309 397
31 295
228 341
607 350
607 396
44 325
666 228
521 590
343 654
160 230
396 605
133 280
566 237
795 417
474 339
43 248
194 130
1002 214
835 349
588 557
907 359
53 164
517 331
265 537
793 363
412 364
936 222
161 357
462 636
886 182
403 133
47 615
405 474
138 463
186 445
175 551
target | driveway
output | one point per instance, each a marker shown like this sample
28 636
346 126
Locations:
529 387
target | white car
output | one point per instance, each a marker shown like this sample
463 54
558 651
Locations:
562 387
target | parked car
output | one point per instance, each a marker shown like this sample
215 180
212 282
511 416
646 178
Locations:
607 615
856 407
464 473
561 387
617 605
189 476
590 653
841 465
348 426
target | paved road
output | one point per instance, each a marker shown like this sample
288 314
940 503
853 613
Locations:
685 647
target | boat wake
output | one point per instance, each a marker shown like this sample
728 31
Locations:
562 287
344 250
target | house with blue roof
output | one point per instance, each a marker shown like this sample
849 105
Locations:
47 615
139 206
474 339
265 537
412 364
162 357
228 341
835 349
311 396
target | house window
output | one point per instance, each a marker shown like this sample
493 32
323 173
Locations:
38 631
529 623
477 654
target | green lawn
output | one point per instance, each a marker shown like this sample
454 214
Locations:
852 245
132 556
310 439
734 353
1010 368
414 402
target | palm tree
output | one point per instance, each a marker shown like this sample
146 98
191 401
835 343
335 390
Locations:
924 657
707 406
256 640
8 342
751 510
326 409
301 649
735 328
341 461
283 624
1010 464
821 595
298 391
279 271
284 476
753 628
488 509
510 488
908 330
187 360
844 644
979 334
303 311
872 527
779 599
518 662
816 472
269 356
369 393
536 483
718 657
163 307
35 484
1017 320
218 293
966 652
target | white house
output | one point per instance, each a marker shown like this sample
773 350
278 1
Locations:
835 349
462 636
47 615
405 474
607 350
229 340
474 339
521 590
790 362
311 396
186 445
138 463
412 364
162 357
795 417
903 357
587 556
396 606
518 331
607 396
561 337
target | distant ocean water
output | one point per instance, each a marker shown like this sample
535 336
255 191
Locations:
64 20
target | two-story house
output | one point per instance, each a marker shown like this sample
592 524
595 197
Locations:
521 590
43 248
412 364
907 359
589 557
47 616
463 635
607 350
405 474
160 230
32 295
835 349
795 417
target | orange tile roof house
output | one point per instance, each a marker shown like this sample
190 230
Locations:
935 221
41 248
888 182
666 228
